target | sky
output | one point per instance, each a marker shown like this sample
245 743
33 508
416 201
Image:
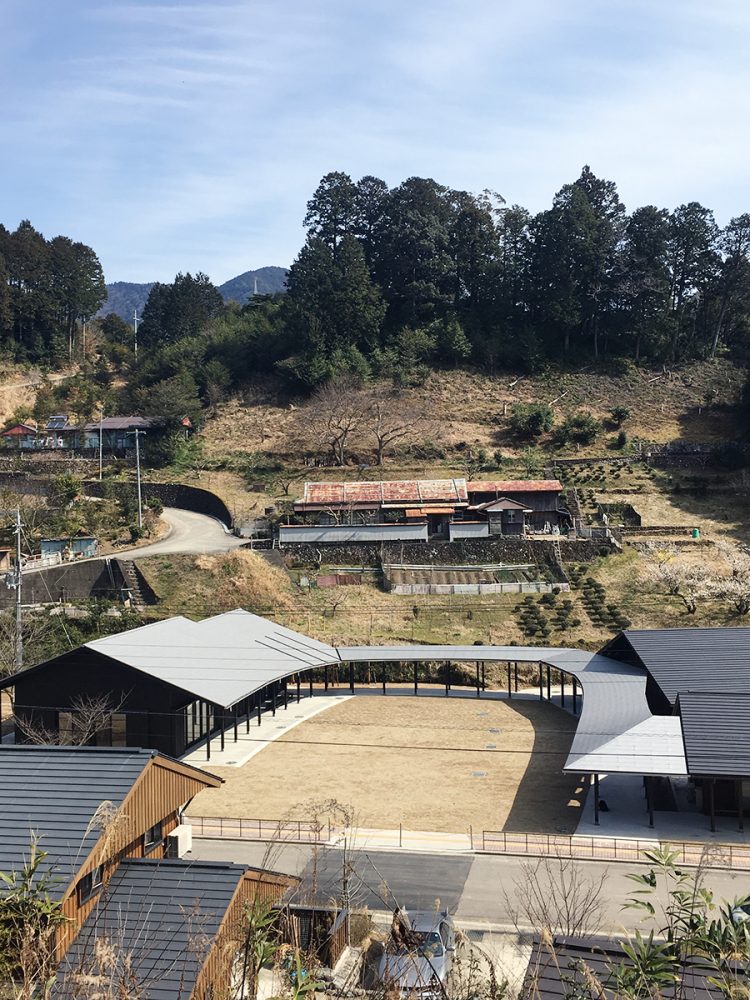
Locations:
186 136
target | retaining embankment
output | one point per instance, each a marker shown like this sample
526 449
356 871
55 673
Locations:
467 551
178 495
91 579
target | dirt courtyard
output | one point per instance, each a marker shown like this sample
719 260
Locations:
427 763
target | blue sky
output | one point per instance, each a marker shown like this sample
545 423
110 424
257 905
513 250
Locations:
189 135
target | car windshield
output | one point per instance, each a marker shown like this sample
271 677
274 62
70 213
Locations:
429 944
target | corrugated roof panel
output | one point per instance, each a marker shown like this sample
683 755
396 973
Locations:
503 486
394 491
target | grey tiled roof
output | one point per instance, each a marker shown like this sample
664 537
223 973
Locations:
55 792
716 731
164 915
691 659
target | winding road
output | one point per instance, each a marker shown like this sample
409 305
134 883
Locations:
189 533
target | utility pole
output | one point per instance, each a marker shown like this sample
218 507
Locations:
101 430
137 434
19 615
136 321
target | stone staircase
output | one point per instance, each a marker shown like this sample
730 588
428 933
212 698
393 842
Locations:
132 584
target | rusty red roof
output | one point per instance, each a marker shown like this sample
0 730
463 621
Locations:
505 486
18 430
411 491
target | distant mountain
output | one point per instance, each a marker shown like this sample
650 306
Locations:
125 296
240 289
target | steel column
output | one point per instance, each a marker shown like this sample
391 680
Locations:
596 800
351 678
510 690
416 678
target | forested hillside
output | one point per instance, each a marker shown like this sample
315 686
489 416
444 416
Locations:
391 284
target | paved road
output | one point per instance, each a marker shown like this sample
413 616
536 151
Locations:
189 532
477 888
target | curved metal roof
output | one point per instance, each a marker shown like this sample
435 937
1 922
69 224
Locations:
616 731
229 657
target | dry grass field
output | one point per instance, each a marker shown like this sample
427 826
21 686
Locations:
428 763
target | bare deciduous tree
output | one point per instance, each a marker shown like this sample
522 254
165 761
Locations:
335 414
392 417
90 715
555 896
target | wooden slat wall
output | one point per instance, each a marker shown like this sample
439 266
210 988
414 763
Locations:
215 979
157 795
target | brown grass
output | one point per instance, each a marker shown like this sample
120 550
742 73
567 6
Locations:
412 761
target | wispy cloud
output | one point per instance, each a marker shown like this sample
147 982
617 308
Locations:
189 135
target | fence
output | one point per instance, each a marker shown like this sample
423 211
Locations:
296 831
531 845
690 853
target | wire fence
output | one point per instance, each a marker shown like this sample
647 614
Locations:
531 845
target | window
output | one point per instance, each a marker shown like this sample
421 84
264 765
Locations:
153 837
511 516
90 884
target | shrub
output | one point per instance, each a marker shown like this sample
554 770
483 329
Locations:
619 415
620 441
531 420
581 428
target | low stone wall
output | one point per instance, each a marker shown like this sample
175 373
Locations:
467 551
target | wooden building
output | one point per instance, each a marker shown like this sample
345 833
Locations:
540 499
181 924
90 808
505 507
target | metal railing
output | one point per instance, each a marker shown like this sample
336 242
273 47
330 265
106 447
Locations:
582 848
293 830
531 845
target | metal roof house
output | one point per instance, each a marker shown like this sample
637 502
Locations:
436 507
89 807
180 923
110 824
171 684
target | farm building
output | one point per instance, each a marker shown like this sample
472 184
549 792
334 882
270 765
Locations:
20 436
421 510
668 705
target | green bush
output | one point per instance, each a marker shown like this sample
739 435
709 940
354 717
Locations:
581 428
531 420
619 415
